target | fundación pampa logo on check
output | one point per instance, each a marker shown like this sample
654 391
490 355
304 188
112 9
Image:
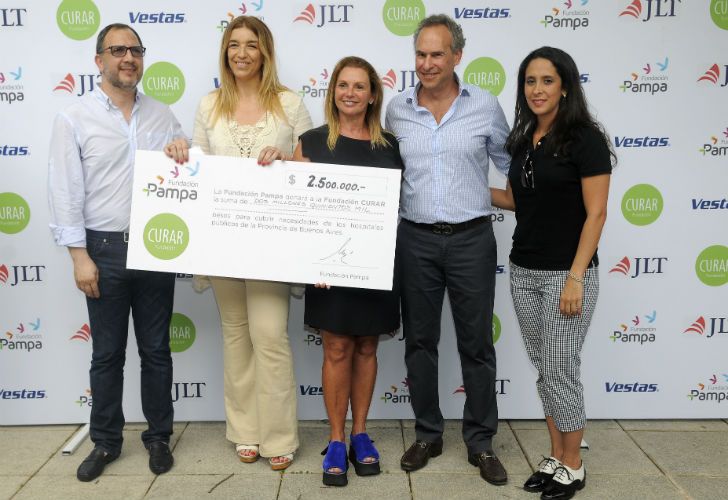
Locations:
166 236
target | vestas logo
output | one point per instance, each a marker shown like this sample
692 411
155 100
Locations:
401 80
176 189
22 338
12 18
23 394
483 13
156 18
715 389
630 387
712 75
83 334
569 17
661 8
87 83
316 87
20 274
716 145
331 13
14 150
641 142
641 330
652 79
701 204
642 266
311 390
714 325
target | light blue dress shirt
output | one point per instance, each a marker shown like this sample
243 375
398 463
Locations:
445 177
91 162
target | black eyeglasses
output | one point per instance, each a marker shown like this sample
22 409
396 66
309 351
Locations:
120 50
527 179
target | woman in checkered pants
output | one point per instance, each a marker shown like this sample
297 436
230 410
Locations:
557 185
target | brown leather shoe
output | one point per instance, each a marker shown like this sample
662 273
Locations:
419 453
490 467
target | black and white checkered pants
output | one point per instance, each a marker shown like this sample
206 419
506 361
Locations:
553 341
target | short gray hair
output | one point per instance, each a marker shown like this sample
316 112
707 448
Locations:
456 31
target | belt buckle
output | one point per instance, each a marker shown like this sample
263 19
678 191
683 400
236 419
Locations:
126 237
442 228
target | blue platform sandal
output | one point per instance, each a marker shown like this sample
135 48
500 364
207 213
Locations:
360 450
335 458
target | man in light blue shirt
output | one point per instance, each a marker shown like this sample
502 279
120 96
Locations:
90 173
447 132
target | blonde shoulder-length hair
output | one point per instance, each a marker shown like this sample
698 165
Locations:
226 97
373 117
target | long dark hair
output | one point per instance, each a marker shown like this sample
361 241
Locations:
573 113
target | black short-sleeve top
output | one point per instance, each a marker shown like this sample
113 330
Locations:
551 215
350 151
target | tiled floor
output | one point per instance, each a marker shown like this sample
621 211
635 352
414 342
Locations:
627 459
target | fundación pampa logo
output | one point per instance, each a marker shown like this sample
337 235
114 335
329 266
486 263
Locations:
166 236
652 79
711 265
401 17
717 145
572 15
78 19
14 213
486 73
182 333
642 204
164 82
176 188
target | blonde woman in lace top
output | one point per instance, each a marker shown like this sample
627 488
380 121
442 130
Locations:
253 116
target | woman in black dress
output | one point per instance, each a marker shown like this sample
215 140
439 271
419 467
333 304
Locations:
350 320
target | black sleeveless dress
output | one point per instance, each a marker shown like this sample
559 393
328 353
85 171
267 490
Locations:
344 310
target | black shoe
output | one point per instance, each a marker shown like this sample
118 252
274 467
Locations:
539 479
160 457
490 467
419 453
93 465
563 486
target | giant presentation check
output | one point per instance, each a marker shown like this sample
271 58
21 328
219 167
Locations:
290 221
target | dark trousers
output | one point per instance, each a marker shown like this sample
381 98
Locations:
149 296
464 263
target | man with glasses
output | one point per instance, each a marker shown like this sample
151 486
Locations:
447 132
90 173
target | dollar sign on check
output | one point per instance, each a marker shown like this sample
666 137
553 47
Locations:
291 179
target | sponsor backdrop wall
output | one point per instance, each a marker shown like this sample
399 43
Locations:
655 72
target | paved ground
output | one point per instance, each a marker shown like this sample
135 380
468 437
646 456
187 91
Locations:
628 459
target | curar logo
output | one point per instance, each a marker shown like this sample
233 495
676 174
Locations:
571 14
83 334
164 82
317 85
397 394
719 13
639 330
642 204
401 17
11 86
177 187
486 73
14 213
641 266
329 13
712 75
182 333
649 10
78 19
166 236
714 325
651 79
717 145
714 389
711 266
85 82
399 80
26 336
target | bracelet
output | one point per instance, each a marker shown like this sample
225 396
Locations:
575 277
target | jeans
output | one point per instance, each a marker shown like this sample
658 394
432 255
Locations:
149 296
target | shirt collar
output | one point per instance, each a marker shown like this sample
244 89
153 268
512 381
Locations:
462 91
106 101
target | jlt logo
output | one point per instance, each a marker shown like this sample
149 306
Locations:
712 75
12 17
655 8
187 390
715 325
87 83
338 13
20 274
403 80
642 265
